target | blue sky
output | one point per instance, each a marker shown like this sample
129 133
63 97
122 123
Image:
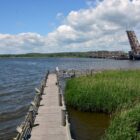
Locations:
39 16
46 26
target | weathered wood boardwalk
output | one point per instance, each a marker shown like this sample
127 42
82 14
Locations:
48 121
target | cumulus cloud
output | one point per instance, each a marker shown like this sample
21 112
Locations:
92 3
100 27
60 16
21 43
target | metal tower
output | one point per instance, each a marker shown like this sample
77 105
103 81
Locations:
134 54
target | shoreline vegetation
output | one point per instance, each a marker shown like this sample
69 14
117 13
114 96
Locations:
115 92
92 54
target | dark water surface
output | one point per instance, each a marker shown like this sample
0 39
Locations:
19 77
88 126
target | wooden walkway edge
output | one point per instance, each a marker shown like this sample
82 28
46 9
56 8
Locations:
48 122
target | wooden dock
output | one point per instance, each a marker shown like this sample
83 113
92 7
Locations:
48 122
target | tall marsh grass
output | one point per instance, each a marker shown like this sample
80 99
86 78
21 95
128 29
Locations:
110 91
125 125
107 91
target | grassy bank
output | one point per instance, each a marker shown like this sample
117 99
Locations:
125 125
110 92
104 92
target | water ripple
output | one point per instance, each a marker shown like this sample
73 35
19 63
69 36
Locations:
19 77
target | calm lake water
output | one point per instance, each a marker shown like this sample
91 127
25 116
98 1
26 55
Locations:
88 126
19 77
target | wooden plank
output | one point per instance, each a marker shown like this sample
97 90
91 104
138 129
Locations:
48 121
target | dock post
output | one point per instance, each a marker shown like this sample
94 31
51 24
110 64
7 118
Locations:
60 99
63 121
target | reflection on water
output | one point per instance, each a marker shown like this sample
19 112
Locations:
88 126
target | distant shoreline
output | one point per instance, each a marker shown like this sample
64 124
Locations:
94 54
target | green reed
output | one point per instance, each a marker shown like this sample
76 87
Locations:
104 92
125 125
114 91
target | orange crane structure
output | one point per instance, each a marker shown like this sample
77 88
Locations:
134 54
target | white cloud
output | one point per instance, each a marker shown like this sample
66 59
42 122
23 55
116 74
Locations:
101 27
60 16
93 3
95 28
21 43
